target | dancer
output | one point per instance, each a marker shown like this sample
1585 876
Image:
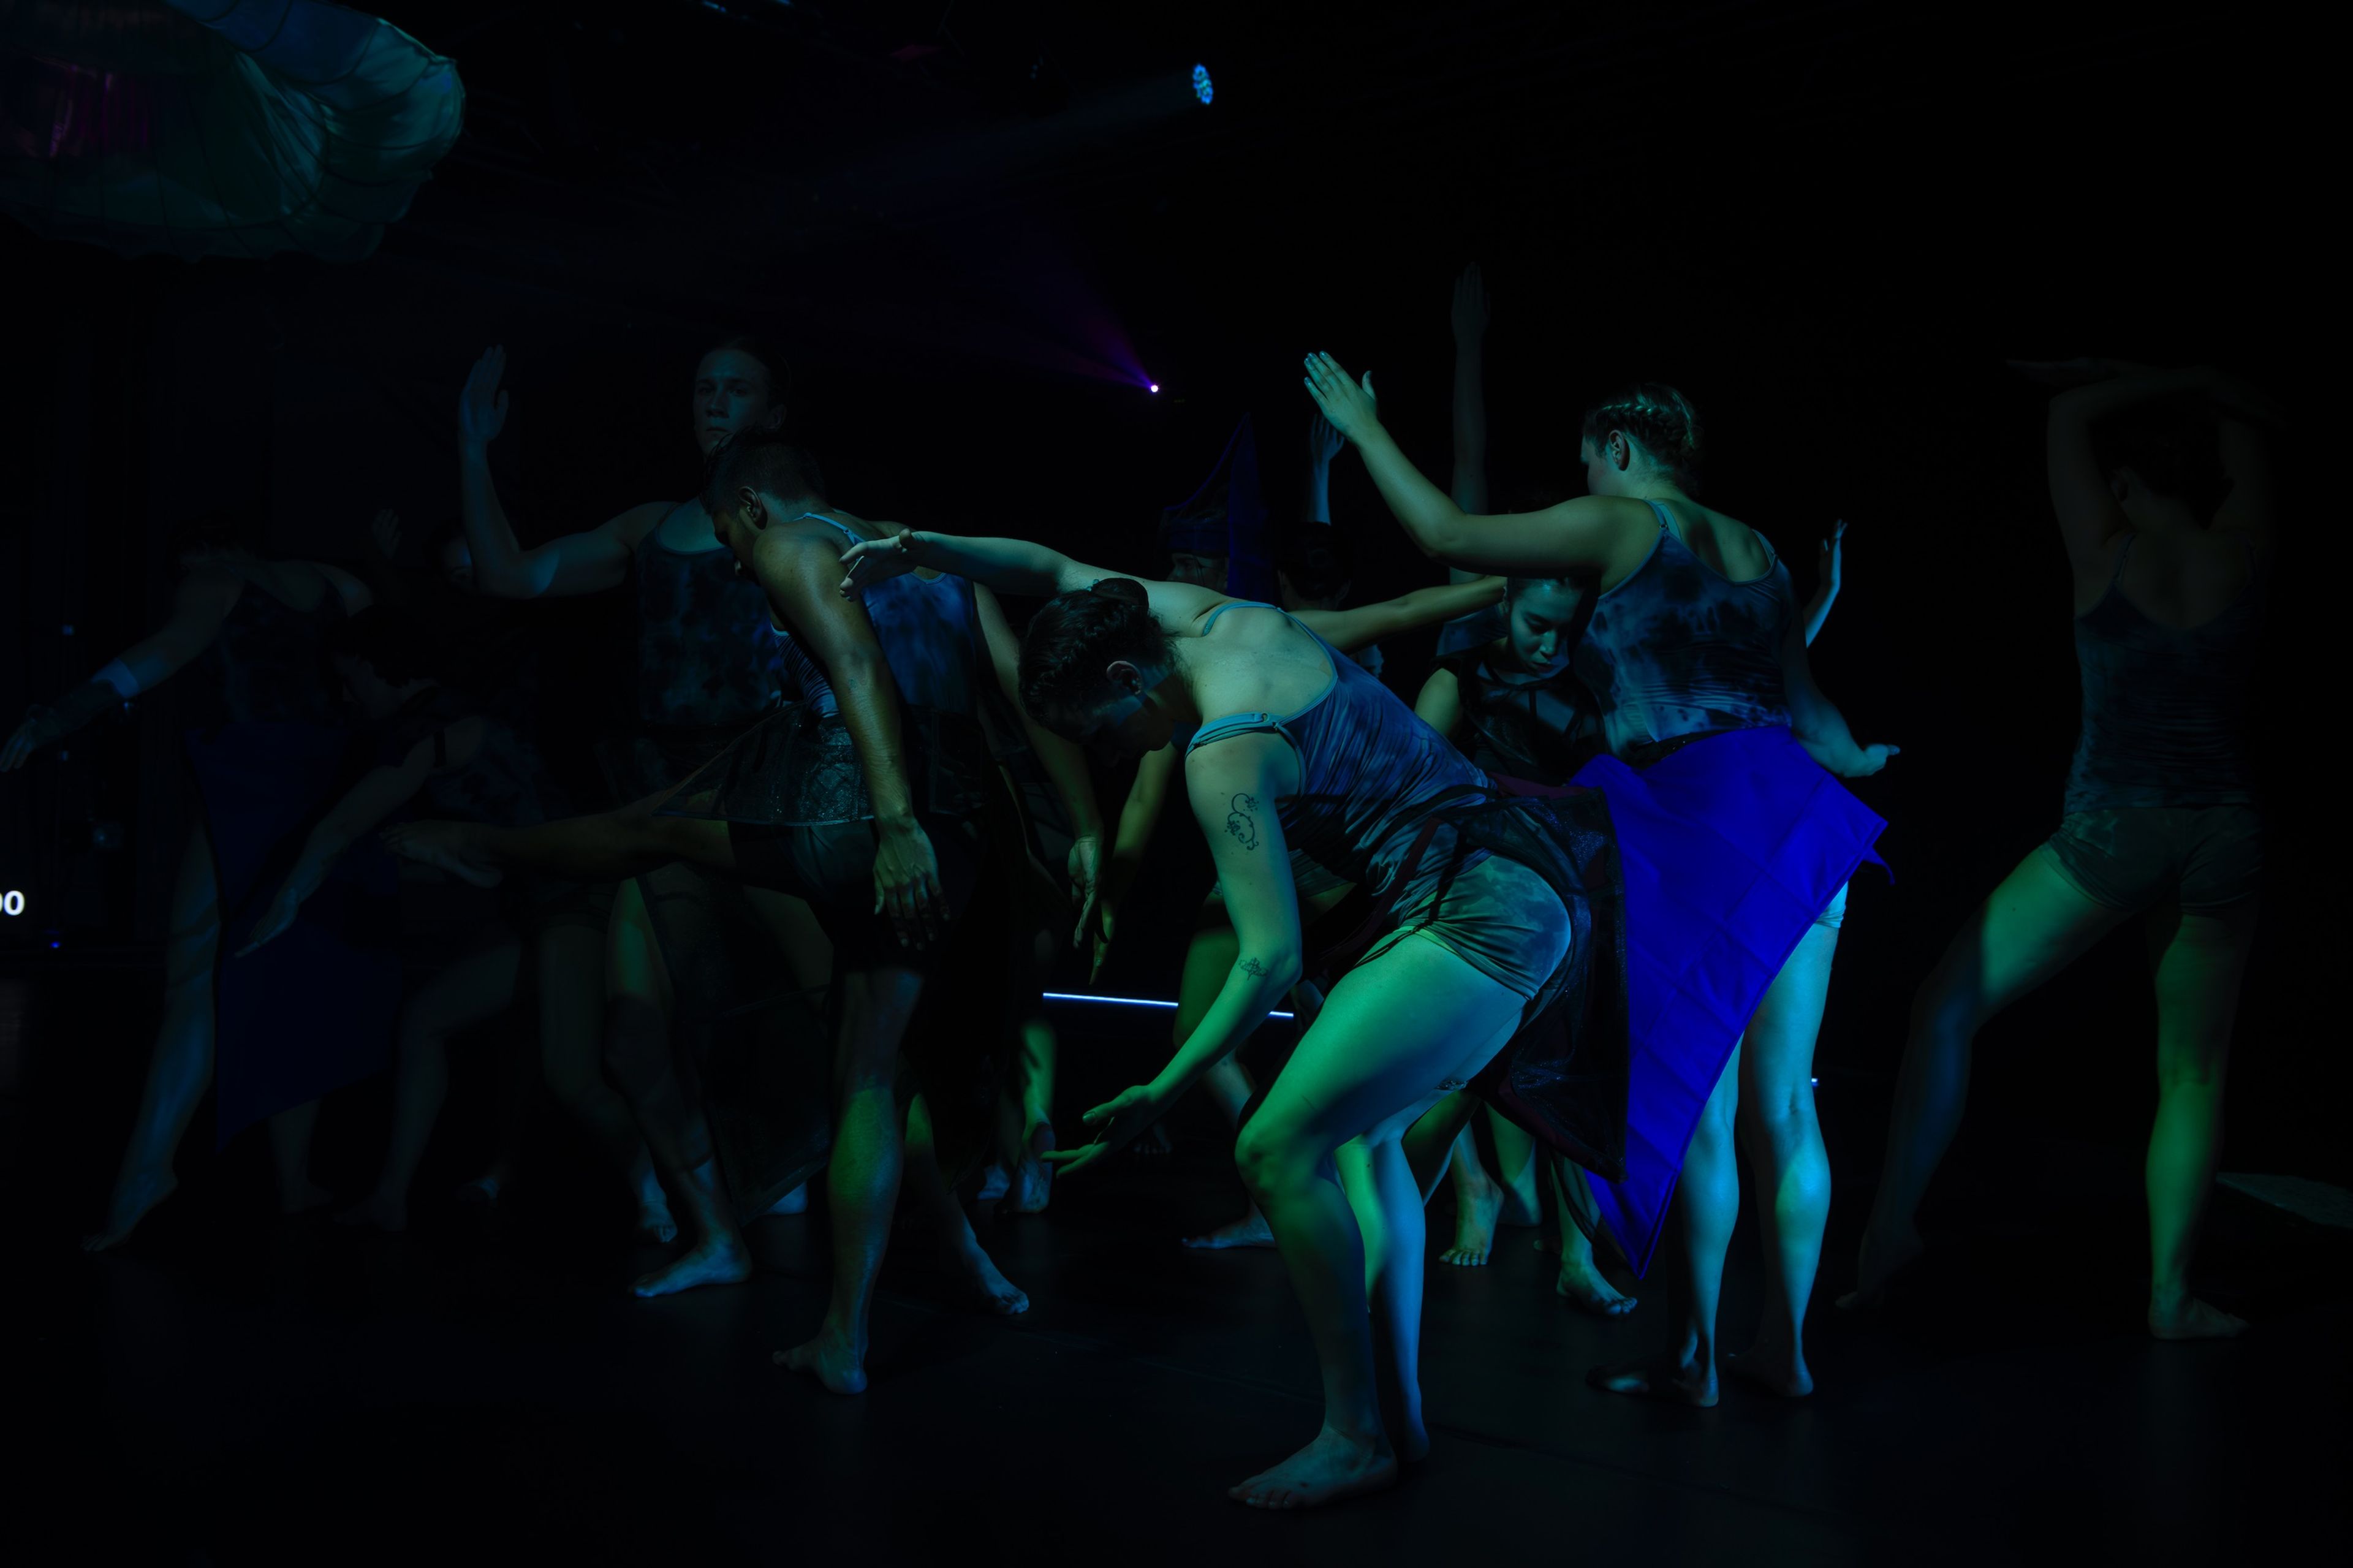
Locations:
1294 754
256 627
708 665
1696 653
1324 903
1517 709
872 814
2169 551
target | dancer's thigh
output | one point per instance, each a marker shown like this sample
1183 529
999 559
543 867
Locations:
2029 929
195 936
809 953
2199 962
1777 1053
633 955
1395 1035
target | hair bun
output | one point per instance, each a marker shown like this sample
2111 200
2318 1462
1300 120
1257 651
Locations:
1126 590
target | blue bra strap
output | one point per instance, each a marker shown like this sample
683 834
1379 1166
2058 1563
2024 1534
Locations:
1665 522
1232 724
1241 605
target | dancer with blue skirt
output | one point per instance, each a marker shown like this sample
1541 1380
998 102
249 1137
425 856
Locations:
1736 840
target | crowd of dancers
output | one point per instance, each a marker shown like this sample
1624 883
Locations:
1559 931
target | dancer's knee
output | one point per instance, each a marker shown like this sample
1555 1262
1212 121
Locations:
1273 1160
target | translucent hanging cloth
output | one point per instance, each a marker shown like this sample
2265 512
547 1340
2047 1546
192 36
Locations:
216 127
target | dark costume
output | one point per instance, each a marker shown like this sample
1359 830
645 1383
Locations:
1733 839
2160 798
311 1011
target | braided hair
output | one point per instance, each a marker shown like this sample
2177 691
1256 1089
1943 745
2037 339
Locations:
1659 418
1071 641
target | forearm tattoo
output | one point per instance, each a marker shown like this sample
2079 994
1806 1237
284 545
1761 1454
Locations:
1253 968
1242 822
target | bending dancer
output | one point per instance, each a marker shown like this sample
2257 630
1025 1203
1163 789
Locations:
1294 754
2161 817
708 666
257 628
870 814
1322 894
1697 654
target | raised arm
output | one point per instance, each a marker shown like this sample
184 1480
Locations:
1826 582
1324 444
798 572
1469 318
1592 535
1010 566
380 792
1065 765
1362 625
587 562
1816 721
199 605
1234 785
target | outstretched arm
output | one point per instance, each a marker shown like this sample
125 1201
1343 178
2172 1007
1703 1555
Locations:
576 564
199 606
1324 444
1826 582
1065 765
1589 535
1234 785
1365 624
1816 721
1010 566
380 792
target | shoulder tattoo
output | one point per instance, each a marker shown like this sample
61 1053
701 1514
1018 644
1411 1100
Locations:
1241 820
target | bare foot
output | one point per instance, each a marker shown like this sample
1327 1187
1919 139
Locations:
715 1260
1771 1369
1671 1378
969 1263
1032 1188
385 1214
792 1203
831 1359
1474 1225
482 1191
995 1183
2188 1318
1250 1230
1581 1282
1328 1470
133 1196
1882 1257
655 1222
304 1199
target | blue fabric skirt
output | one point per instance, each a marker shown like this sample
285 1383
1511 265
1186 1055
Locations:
1729 847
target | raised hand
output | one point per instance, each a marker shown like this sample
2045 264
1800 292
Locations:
1826 568
1323 442
1470 313
1115 1123
483 407
873 560
386 531
1353 408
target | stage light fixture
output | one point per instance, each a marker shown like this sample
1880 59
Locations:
1201 88
1151 386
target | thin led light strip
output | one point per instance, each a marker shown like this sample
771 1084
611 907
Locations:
1122 1001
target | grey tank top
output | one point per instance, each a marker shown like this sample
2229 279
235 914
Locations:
1679 649
2163 707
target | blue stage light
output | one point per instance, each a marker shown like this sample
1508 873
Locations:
1201 88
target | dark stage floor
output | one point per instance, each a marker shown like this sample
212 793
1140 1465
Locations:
231 1389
